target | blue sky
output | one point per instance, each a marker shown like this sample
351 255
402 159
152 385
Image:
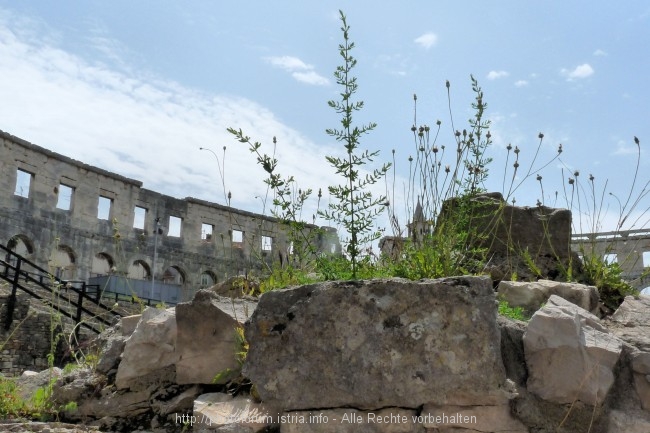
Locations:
138 87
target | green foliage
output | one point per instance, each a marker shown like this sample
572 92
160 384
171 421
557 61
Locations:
455 227
11 404
285 276
354 207
332 268
40 406
607 278
515 313
288 202
530 263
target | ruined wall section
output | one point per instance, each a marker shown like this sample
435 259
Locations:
26 344
31 214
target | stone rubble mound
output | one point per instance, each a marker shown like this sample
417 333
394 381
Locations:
392 355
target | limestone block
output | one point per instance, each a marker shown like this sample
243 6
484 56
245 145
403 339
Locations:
632 316
490 419
151 347
502 228
531 295
76 386
119 404
641 370
206 339
379 343
182 402
570 355
631 323
30 381
129 323
215 411
387 420
626 422
111 341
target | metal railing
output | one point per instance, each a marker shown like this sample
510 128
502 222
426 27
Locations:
64 296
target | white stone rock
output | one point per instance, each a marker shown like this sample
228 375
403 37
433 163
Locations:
214 411
205 342
531 295
151 347
570 355
30 381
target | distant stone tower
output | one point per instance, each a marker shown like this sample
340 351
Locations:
419 227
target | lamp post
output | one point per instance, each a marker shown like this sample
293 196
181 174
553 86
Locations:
155 254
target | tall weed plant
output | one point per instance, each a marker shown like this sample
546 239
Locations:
354 206
452 225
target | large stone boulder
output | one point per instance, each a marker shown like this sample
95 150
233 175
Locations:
30 381
631 323
206 337
531 295
150 349
376 344
111 343
570 355
531 242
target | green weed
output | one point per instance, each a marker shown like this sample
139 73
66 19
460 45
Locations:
354 207
515 313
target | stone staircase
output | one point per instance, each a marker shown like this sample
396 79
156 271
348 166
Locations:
74 300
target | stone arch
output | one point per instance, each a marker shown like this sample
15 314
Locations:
174 275
102 264
63 262
21 245
208 279
139 270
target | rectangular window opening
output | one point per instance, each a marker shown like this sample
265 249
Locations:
206 232
646 258
610 258
174 227
64 200
139 216
104 208
23 183
267 243
237 236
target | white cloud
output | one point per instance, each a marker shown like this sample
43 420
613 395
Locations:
299 70
493 75
310 77
600 53
427 40
289 63
625 148
147 128
521 83
582 71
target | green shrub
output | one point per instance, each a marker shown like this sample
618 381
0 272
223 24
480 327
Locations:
515 313
11 404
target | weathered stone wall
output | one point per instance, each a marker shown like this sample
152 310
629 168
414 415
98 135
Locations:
29 218
26 344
